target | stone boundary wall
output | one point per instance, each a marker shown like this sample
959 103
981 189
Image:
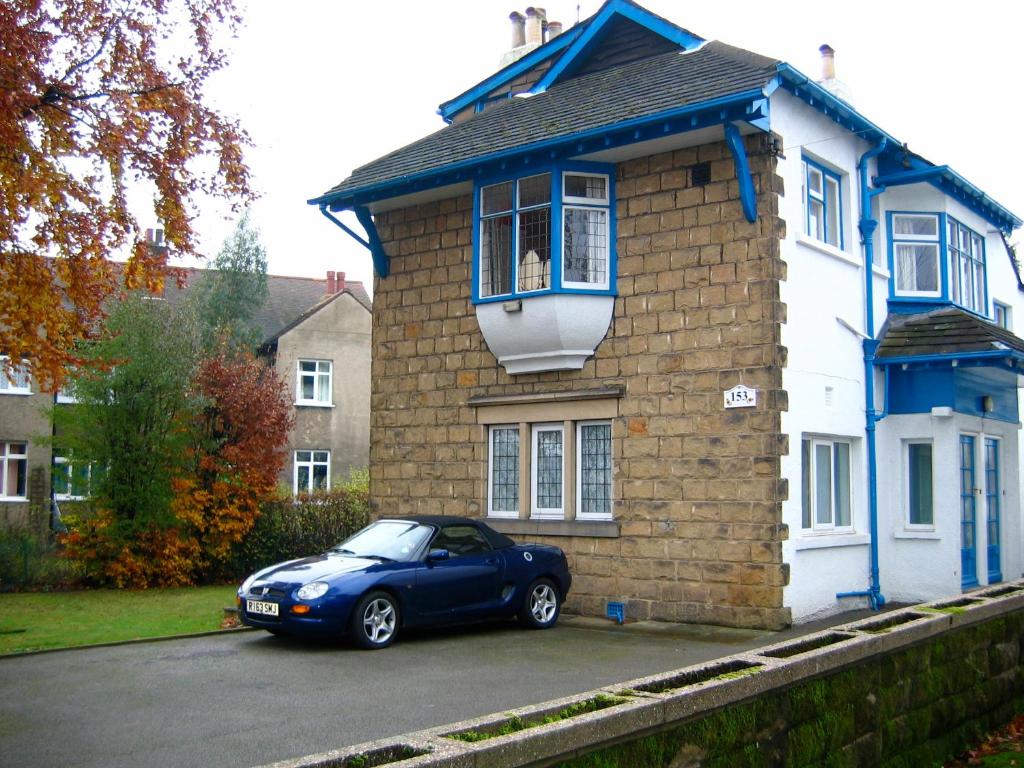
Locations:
696 490
907 688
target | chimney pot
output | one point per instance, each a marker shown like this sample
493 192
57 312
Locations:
518 29
828 62
554 29
534 25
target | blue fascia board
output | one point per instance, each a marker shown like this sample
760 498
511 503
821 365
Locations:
948 181
739 107
599 24
508 73
958 357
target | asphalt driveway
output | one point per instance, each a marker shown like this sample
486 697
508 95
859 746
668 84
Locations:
248 698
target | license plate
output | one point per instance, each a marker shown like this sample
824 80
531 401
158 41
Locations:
261 607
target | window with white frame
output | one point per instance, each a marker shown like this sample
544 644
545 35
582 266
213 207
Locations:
823 203
528 226
314 382
920 499
19 383
915 253
312 471
559 488
826 484
966 251
1001 315
547 470
73 479
13 470
503 471
594 470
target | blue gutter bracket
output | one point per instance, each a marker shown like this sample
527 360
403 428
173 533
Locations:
381 262
748 198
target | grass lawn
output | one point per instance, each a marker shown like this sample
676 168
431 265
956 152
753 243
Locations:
33 620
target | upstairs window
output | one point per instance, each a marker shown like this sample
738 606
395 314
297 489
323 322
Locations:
915 253
314 382
20 382
546 232
823 204
1001 315
966 266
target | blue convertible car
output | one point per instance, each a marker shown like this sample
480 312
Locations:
408 572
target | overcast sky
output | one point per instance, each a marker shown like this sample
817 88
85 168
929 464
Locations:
324 86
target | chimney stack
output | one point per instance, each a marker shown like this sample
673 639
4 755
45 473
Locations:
518 29
339 282
330 282
828 62
535 21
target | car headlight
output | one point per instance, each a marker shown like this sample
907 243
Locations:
246 584
312 591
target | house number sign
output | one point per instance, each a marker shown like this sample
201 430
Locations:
740 397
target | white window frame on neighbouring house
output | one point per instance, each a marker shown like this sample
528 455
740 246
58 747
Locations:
13 470
594 470
1002 315
837 514
919 496
73 476
547 489
320 374
22 383
916 253
823 203
310 459
503 457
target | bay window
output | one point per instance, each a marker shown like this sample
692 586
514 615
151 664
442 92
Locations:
544 232
915 250
966 267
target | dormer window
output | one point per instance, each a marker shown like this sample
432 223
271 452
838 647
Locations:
547 232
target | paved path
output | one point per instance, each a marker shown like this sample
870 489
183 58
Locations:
248 698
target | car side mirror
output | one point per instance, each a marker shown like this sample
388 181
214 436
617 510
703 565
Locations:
437 555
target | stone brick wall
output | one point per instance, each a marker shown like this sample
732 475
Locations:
696 488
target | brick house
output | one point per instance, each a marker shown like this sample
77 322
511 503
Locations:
637 299
316 332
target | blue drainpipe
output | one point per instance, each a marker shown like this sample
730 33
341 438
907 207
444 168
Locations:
867 226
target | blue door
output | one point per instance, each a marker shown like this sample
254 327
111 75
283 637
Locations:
993 493
968 515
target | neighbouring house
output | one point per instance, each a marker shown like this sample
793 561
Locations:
685 312
316 332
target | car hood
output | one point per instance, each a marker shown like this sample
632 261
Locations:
315 568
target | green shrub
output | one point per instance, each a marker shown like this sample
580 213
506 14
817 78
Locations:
306 525
30 560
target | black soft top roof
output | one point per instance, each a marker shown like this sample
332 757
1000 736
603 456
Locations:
497 540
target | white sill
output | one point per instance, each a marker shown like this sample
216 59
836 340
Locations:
831 540
312 404
11 499
22 392
917 533
880 271
828 250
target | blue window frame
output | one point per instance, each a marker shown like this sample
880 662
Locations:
933 257
823 204
549 231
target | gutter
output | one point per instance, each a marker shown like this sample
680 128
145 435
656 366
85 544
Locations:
867 226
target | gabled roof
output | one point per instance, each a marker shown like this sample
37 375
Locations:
948 332
568 51
649 88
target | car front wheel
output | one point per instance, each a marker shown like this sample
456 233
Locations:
375 621
541 605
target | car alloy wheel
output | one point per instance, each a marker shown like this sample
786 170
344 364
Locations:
542 605
375 620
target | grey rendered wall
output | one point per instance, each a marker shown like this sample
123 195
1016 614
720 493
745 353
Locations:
339 332
23 419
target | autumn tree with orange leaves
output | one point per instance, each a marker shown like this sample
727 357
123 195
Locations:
95 96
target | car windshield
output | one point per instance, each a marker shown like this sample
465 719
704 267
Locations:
389 539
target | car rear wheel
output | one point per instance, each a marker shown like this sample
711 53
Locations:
541 605
375 621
